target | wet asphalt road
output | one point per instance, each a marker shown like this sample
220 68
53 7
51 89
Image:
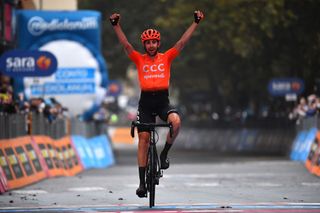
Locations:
196 180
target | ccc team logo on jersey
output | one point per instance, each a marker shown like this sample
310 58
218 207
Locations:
154 73
153 68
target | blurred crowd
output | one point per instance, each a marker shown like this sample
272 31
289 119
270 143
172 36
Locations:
307 107
121 108
10 103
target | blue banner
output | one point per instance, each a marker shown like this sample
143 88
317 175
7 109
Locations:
80 73
285 86
84 150
94 152
36 29
35 25
28 63
297 143
63 88
302 143
102 150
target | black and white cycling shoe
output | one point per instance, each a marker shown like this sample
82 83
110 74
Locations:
164 161
141 191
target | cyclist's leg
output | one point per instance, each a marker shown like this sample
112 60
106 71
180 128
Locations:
142 162
143 146
143 116
174 118
169 114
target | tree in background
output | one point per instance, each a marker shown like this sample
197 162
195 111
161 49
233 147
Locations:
241 45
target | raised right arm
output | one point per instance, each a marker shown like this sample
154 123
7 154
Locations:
115 19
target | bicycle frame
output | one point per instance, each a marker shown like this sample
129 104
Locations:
153 173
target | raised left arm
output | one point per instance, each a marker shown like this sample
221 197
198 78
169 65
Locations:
198 16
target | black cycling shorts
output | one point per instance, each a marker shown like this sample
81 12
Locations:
153 104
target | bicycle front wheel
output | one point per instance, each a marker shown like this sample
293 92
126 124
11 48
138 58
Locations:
152 178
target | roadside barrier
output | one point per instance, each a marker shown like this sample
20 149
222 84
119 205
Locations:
32 148
84 150
302 144
70 159
3 182
50 158
20 163
26 160
266 141
95 152
313 159
306 145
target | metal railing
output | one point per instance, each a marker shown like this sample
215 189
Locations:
87 129
13 125
40 125
308 123
21 124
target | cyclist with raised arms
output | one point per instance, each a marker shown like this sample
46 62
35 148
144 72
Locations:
154 78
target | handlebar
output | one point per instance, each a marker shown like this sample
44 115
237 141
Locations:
150 126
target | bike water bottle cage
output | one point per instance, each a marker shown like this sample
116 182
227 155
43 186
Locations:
150 34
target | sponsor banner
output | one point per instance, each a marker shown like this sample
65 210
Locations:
313 160
28 63
102 150
306 145
20 162
63 88
120 135
285 86
81 73
26 160
3 182
298 141
75 74
35 25
71 161
50 155
94 152
84 150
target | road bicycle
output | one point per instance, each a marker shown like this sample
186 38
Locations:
153 172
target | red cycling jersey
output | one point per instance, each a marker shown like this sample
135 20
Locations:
154 73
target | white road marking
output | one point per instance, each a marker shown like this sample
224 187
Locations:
29 192
135 185
185 206
202 184
268 184
223 175
86 189
310 184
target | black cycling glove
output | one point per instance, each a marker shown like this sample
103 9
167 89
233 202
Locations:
196 17
114 21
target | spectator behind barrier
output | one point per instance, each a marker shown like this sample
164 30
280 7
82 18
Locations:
318 105
306 108
312 105
22 104
6 100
